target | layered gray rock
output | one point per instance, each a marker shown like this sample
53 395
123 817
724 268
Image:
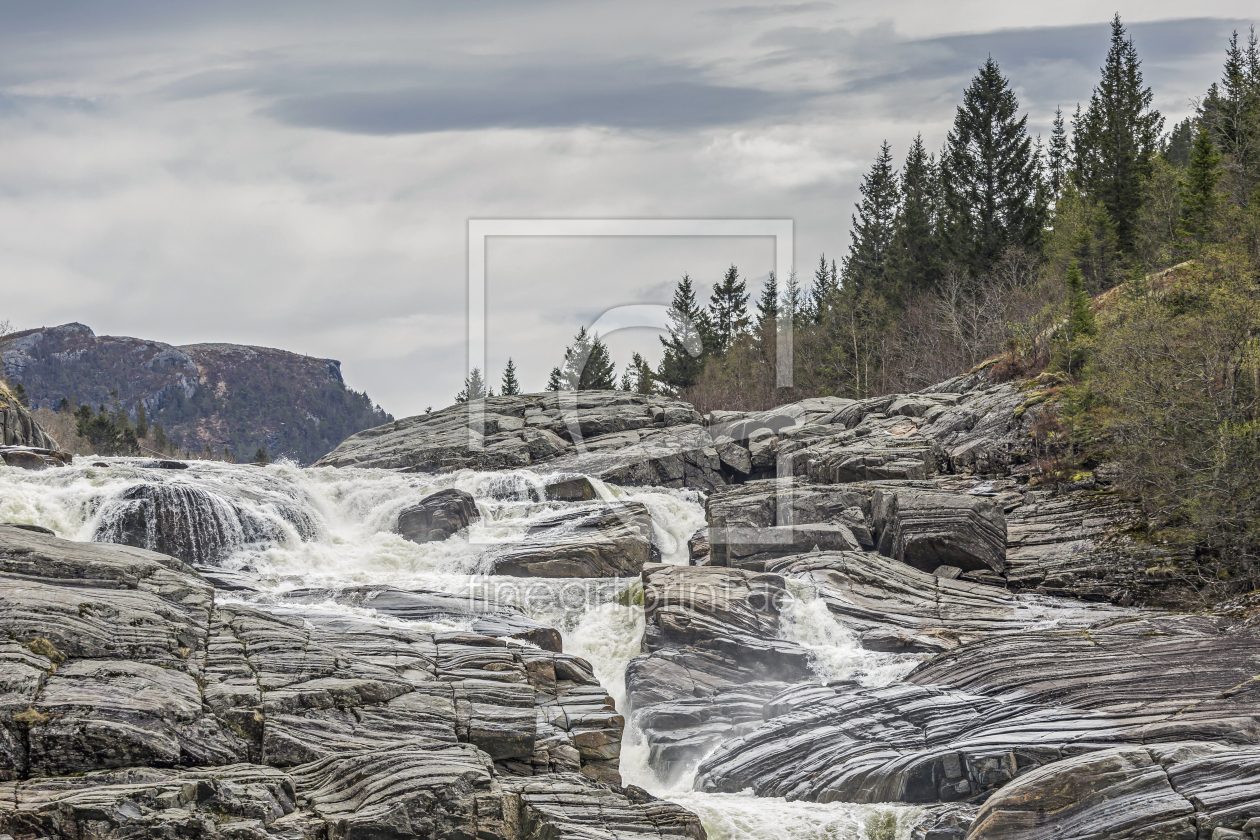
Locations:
604 540
713 659
894 607
927 530
1188 790
18 428
970 720
438 516
133 704
620 437
33 458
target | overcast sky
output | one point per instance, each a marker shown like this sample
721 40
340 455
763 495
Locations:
300 175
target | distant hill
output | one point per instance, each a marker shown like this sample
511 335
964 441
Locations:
221 395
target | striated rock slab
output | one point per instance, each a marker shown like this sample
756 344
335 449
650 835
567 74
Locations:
1178 790
123 681
438 516
606 540
969 721
714 659
623 438
897 608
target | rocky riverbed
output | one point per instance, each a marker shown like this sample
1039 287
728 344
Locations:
601 615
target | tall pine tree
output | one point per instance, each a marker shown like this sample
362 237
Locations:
474 388
915 260
873 226
768 303
685 354
728 310
1116 137
990 177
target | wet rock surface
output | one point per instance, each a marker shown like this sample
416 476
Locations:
137 704
438 516
596 541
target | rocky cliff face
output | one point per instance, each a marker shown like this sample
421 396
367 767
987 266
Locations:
17 427
220 395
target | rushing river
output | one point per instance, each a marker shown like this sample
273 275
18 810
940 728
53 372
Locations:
342 537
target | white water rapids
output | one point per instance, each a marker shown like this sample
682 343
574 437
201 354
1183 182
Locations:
353 512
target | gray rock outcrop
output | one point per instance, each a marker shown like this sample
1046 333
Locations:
136 704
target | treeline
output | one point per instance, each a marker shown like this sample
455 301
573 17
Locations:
1115 268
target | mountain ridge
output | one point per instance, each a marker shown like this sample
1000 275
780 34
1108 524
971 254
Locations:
224 396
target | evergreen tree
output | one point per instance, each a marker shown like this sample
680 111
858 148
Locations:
1231 111
873 226
474 388
728 310
587 365
685 350
510 386
1059 156
1199 199
63 405
794 307
261 456
159 438
1179 142
1080 323
555 382
637 376
1116 137
600 373
768 303
915 260
825 284
23 398
142 422
990 176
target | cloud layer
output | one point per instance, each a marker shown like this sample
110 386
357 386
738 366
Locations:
301 175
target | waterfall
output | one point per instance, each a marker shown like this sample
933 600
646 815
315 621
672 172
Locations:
291 528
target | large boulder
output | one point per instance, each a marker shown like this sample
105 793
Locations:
927 530
438 516
33 458
606 540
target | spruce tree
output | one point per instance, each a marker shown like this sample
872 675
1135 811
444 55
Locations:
474 387
825 284
555 382
1199 198
768 303
1059 155
1231 111
599 373
261 456
990 177
1179 142
728 310
794 307
1116 137
915 260
685 350
637 376
1080 323
873 226
510 387
142 421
